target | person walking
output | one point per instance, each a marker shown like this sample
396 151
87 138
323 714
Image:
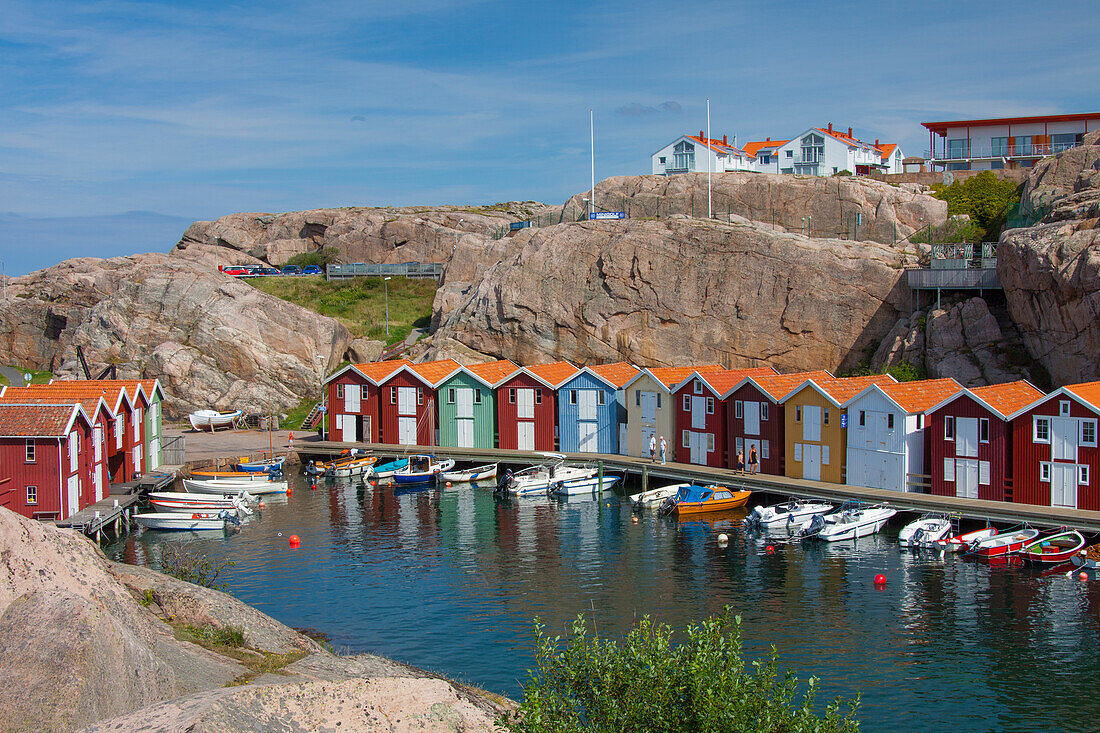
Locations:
664 447
753 467
653 447
740 461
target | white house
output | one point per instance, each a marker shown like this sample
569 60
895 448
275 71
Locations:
1011 142
823 151
698 154
886 432
765 155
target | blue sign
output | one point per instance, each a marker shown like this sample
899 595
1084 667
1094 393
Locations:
607 215
844 421
519 225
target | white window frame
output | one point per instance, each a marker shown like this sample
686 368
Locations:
420 395
450 395
1044 472
798 413
738 409
765 449
572 396
29 451
825 416
763 411
698 386
477 395
538 395
1084 442
983 428
1035 421
364 392
710 442
339 391
889 421
32 495
824 455
710 405
393 395
1083 475
949 427
601 397
687 404
511 395
684 439
1063 408
798 452
949 470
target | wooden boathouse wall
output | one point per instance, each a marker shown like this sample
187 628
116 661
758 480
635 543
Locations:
545 413
997 451
1028 455
483 417
772 430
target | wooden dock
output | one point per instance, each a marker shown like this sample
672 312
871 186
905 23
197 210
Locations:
780 486
112 514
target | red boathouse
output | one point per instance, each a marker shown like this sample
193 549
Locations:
527 410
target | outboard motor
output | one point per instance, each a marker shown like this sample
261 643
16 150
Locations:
505 482
274 473
753 518
552 488
667 506
817 523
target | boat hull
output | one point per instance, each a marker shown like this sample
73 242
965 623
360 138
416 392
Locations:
262 466
963 541
181 522
1005 544
209 420
470 474
583 486
405 476
1053 550
255 488
654 497
736 501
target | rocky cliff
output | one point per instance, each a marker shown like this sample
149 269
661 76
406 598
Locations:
213 341
1051 271
78 649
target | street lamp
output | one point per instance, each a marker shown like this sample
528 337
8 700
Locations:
386 285
324 405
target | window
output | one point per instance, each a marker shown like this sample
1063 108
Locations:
572 396
658 400
862 419
739 445
957 148
538 396
949 428
637 398
790 153
1040 430
601 397
763 410
683 155
451 396
511 395
738 409
393 395
788 171
1000 146
30 451
684 439
339 391
834 169
825 416
765 159
1044 472
813 149
765 448
996 165
420 395
1083 475
1023 145
798 414
1063 407
364 392
824 455
1065 140
710 442
889 421
32 494
687 403
798 451
1088 433
710 405
661 160
949 470
983 430
698 386
477 396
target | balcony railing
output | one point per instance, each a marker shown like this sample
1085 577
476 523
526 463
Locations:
970 152
403 269
985 279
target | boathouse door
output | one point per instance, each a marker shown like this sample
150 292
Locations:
811 461
1063 441
966 478
811 425
73 491
647 434
698 443
586 435
698 413
351 398
406 430
525 404
751 411
525 436
465 436
1063 485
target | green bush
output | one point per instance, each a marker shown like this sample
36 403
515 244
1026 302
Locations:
321 257
906 372
952 231
844 172
181 562
985 198
646 682
230 636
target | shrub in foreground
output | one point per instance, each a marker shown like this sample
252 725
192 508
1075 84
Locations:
646 682
179 561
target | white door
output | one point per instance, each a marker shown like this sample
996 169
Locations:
97 442
586 404
138 452
74 442
120 427
525 436
966 437
406 400
893 472
649 408
347 424
749 444
811 423
811 460
351 398
1063 485
406 430
586 434
464 399
698 442
751 411
465 433
647 435
966 478
1063 440
97 482
525 404
698 412
154 453
73 492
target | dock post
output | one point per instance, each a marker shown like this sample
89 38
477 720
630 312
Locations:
600 467
645 478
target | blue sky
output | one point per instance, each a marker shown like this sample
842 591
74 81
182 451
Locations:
191 110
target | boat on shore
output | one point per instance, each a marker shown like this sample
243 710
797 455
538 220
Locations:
960 542
211 420
187 522
1057 548
790 514
654 497
477 473
925 531
422 469
851 520
693 499
1008 542
578 486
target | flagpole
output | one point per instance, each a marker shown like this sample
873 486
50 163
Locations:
710 161
592 141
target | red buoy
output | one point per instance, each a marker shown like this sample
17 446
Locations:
448 484
1083 576
289 491
880 579
313 486
770 549
294 541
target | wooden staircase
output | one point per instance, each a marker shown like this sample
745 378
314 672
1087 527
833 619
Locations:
314 416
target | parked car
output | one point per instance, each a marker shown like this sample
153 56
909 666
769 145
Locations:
269 271
291 270
311 270
234 271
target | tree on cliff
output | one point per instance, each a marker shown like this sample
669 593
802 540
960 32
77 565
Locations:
985 198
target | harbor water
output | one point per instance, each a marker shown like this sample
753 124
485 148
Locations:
450 579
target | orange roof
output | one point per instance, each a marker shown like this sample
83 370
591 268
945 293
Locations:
671 376
434 372
617 374
717 145
376 371
1087 391
724 380
78 390
90 403
922 394
777 386
132 386
846 388
753 147
887 149
555 373
493 371
35 420
1008 398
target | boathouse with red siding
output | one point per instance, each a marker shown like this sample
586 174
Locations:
352 404
968 441
1055 456
46 451
407 403
527 408
700 415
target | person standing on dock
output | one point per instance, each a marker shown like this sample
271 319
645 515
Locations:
753 466
740 461
653 447
664 447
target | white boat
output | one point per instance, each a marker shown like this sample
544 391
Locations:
575 487
171 501
925 531
654 497
186 522
477 473
422 469
791 514
961 542
537 479
212 419
220 486
853 519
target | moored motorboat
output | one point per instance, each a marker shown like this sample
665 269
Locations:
851 520
654 497
1088 557
537 479
790 514
210 420
578 486
422 469
181 502
694 499
960 542
476 473
267 465
926 530
239 476
382 471
187 522
1059 547
222 486
1004 543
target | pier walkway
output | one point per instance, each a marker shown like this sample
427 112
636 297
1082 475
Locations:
113 512
781 486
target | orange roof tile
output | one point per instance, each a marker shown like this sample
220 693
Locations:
493 371
1087 391
79 389
1008 398
90 403
777 386
887 149
555 373
617 374
717 145
376 371
132 386
922 394
724 380
434 372
753 147
35 420
845 388
671 376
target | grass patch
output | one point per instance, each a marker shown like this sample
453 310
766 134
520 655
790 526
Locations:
36 377
227 636
360 303
229 642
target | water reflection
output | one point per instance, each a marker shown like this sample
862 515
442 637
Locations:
450 578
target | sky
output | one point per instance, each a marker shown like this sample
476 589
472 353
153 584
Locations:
168 112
